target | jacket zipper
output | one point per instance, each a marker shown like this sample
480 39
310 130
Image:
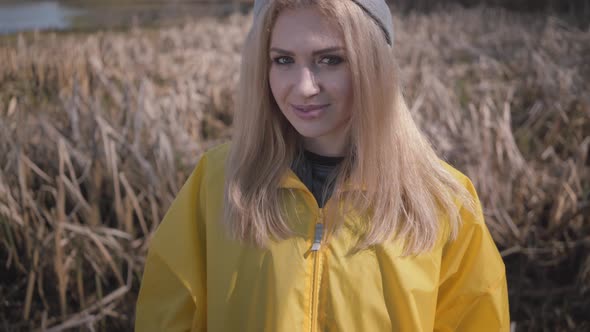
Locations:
315 285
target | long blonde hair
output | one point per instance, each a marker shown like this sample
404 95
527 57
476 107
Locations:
403 184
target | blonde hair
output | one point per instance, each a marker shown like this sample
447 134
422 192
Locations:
404 184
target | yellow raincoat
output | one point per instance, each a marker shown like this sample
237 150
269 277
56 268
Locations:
196 279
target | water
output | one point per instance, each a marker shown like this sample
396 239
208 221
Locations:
18 16
39 15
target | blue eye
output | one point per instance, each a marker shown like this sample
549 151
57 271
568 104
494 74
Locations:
282 60
331 60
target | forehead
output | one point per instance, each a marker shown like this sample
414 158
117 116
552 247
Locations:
305 28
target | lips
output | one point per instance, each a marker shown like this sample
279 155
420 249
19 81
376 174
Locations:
308 108
309 112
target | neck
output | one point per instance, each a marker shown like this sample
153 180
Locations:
328 146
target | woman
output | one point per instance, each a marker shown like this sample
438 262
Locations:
328 211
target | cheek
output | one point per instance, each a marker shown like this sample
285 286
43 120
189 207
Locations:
276 84
341 87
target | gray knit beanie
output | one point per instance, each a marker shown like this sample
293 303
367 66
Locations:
377 9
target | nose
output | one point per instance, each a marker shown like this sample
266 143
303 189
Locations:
306 83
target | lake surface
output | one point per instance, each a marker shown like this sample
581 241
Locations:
18 16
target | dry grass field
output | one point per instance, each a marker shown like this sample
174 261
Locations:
98 131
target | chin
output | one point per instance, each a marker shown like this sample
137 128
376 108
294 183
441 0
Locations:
309 132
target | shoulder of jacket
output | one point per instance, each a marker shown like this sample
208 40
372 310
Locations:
458 175
218 153
214 158
183 213
210 171
469 216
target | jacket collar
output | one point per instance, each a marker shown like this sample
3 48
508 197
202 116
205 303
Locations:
291 181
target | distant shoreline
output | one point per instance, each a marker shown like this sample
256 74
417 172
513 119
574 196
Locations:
19 17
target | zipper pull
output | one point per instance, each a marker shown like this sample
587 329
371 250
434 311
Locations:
317 240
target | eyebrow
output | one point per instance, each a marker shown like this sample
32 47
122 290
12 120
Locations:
322 51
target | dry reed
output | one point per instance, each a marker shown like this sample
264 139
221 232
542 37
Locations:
98 131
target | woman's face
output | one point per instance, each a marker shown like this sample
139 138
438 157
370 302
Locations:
310 78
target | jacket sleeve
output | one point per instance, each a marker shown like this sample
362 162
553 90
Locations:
172 293
472 292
